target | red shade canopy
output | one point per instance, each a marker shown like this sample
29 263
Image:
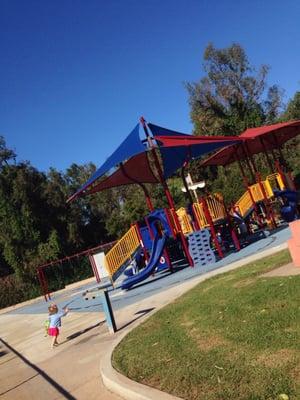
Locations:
258 140
174 141
135 170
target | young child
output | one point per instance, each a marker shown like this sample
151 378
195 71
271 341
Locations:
55 322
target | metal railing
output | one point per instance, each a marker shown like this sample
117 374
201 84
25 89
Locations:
184 220
273 181
244 203
216 210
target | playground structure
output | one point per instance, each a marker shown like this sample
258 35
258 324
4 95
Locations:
165 236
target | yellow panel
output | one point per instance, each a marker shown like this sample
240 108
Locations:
184 220
122 250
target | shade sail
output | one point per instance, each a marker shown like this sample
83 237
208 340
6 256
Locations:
135 170
131 146
177 148
258 140
159 130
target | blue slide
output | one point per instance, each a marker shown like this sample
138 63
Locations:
289 208
156 252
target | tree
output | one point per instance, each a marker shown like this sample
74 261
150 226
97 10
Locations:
21 211
229 98
292 148
6 154
293 108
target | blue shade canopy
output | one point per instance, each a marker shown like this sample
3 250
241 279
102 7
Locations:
177 148
160 131
131 146
175 157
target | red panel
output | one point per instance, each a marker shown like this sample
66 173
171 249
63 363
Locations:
135 170
174 141
273 136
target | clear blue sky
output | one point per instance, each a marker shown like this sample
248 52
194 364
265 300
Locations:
75 75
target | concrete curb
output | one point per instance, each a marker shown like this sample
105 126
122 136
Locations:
131 390
123 386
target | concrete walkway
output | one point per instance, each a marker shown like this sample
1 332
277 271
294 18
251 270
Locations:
31 369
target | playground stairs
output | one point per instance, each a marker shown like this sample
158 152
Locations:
120 255
255 193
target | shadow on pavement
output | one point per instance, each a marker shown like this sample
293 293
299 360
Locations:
140 313
64 393
79 333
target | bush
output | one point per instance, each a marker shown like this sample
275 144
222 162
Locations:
14 291
70 271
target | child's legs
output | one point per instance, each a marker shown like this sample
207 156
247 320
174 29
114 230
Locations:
54 340
54 333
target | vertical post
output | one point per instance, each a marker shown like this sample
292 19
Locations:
166 189
189 195
141 240
283 160
94 267
246 184
108 312
248 163
270 215
231 228
186 186
43 283
146 193
266 154
212 228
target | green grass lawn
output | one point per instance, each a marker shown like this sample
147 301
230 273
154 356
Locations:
234 336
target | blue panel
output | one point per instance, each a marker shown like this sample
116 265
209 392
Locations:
159 131
174 157
159 214
146 238
131 146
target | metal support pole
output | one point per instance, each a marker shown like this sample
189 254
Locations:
248 163
94 267
269 210
211 224
232 229
108 312
167 191
189 195
146 193
267 155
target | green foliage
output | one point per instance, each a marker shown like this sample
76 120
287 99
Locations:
229 98
293 108
6 154
50 250
14 290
